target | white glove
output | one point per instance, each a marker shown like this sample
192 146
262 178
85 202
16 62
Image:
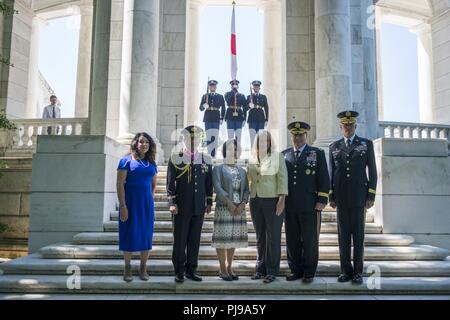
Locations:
205 105
251 105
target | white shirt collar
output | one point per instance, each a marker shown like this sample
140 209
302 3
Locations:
301 149
351 139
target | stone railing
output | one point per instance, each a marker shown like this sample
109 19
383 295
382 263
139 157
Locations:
24 138
414 130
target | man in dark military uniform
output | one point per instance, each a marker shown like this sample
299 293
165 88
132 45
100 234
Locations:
258 111
190 194
236 112
309 184
352 192
214 104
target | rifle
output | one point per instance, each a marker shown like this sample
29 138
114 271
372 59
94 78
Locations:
251 94
207 92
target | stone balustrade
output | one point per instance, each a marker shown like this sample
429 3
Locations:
24 138
414 130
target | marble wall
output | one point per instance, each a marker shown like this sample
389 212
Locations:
300 91
16 47
413 193
440 26
172 54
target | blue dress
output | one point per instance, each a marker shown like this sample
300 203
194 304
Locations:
136 233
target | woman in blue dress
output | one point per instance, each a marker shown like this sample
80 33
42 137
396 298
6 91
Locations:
136 182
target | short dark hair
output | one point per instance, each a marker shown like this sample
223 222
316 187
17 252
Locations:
53 97
237 147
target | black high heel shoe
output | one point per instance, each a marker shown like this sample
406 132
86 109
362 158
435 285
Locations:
224 277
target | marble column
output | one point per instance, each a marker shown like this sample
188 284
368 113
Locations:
139 84
100 68
426 72
193 88
33 109
333 67
84 60
368 33
273 67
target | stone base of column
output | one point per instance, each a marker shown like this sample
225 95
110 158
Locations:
125 139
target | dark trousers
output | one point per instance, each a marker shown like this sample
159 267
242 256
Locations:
234 128
187 230
302 242
212 137
254 128
268 234
351 224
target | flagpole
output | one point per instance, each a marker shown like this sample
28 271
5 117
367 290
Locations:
233 44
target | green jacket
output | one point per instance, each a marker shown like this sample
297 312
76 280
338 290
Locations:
269 178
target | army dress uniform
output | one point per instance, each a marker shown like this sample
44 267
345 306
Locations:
214 115
350 189
190 187
309 184
236 113
258 112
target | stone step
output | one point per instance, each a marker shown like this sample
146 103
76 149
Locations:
74 251
163 206
212 285
167 238
327 227
165 215
35 265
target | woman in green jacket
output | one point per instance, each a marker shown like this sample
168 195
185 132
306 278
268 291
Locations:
268 190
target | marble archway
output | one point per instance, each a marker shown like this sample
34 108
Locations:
274 60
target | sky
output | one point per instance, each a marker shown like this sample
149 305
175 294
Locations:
59 46
58 59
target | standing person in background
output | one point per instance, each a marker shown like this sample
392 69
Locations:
236 112
136 183
52 111
258 111
214 106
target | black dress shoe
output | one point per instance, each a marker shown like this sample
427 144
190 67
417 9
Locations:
257 276
269 279
293 277
344 278
179 278
308 280
357 279
194 277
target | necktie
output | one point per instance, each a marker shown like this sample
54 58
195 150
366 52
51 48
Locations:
349 143
54 115
297 155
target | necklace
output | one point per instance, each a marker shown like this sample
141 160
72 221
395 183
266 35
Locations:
146 166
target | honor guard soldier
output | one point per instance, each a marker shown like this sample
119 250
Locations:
309 185
236 112
214 106
258 110
352 192
190 195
